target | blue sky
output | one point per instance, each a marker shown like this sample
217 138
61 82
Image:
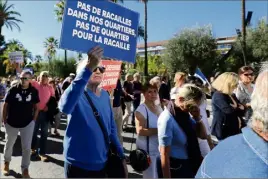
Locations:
165 18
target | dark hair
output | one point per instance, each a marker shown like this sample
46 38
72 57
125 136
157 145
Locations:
26 73
195 81
243 69
148 86
164 78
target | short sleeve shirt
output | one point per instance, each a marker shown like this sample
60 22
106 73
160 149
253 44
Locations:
21 105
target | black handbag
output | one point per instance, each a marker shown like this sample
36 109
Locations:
114 166
139 158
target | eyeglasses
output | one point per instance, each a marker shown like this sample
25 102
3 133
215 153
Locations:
45 76
24 78
249 74
101 69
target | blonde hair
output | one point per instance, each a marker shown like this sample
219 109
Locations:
178 77
128 76
136 75
155 81
226 82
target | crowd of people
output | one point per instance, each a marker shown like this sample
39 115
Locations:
171 124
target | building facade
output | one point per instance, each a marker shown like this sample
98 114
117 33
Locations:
224 44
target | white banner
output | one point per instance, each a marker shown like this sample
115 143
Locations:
16 56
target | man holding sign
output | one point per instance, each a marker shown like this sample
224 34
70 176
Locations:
91 127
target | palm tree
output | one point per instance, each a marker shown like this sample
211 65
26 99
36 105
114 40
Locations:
51 44
145 38
8 17
38 58
243 9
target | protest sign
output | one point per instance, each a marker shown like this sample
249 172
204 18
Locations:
16 56
111 75
100 22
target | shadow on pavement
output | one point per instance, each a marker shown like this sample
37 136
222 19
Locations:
129 140
55 161
14 174
134 175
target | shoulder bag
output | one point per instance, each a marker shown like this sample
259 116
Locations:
114 167
139 158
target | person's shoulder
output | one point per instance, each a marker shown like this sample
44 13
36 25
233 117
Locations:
230 158
165 117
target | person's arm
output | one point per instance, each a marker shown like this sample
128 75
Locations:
7 101
4 113
210 142
221 102
199 125
141 126
36 100
165 135
200 129
36 112
165 162
73 93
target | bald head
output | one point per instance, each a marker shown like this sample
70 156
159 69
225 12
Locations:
259 100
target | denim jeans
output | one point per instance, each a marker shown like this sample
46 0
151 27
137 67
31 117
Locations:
42 121
76 172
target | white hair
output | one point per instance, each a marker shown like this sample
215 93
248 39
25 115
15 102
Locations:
259 101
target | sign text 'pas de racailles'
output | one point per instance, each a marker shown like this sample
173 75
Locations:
87 23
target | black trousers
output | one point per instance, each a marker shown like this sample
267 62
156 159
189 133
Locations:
178 168
136 104
76 172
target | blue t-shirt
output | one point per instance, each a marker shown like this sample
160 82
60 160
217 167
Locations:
84 144
171 134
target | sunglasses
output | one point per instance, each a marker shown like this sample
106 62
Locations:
24 78
101 69
249 74
45 76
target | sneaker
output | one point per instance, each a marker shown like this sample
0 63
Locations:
43 158
25 173
6 169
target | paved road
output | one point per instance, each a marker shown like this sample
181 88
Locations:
53 168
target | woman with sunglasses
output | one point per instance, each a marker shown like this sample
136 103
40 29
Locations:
245 89
85 144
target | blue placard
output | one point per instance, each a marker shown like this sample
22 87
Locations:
87 23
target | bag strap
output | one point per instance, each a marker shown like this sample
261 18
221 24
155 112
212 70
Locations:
98 118
147 138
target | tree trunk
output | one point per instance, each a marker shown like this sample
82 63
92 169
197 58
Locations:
145 40
65 57
244 28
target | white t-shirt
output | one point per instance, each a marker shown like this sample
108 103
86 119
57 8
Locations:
141 141
203 143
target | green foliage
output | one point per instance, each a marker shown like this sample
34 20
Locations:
51 44
256 49
56 67
191 48
8 17
13 45
155 64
